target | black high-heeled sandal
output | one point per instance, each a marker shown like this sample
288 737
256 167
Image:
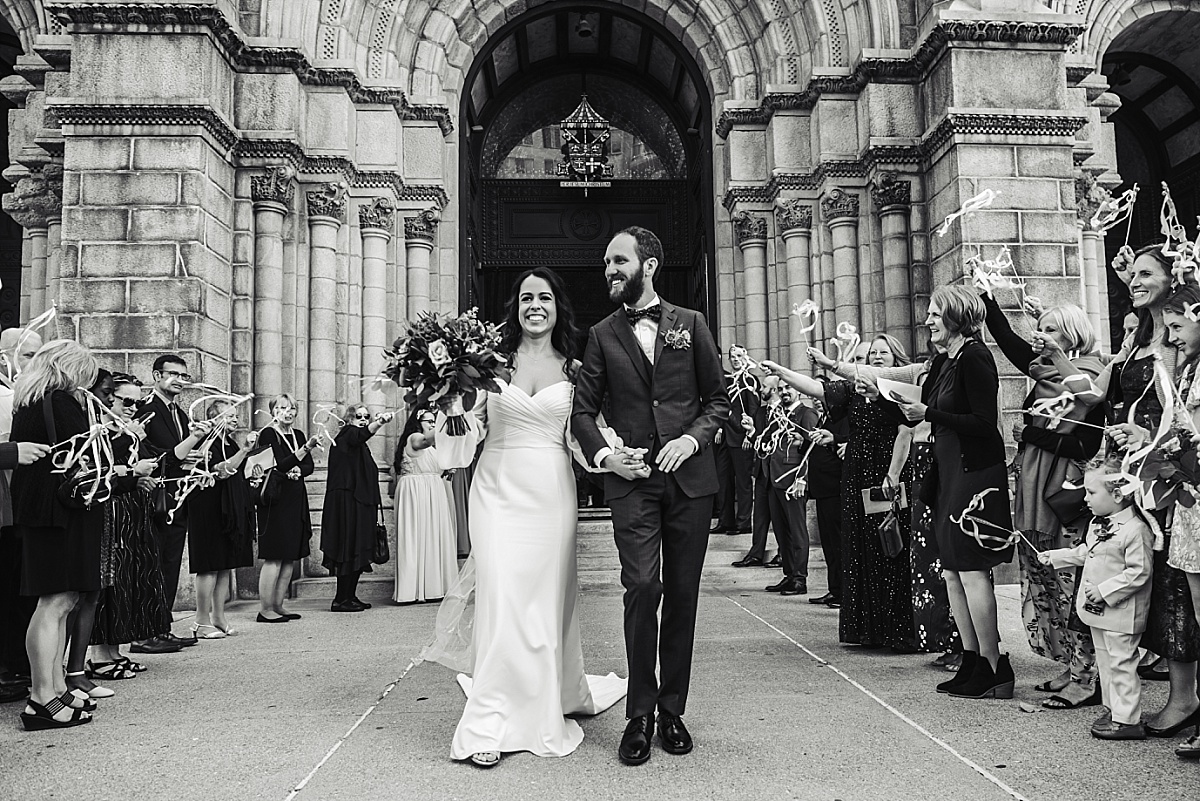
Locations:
110 671
42 717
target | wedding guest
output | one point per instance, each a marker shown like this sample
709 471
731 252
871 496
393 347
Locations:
352 504
17 346
768 399
1172 632
1047 450
426 562
1114 597
220 526
736 463
825 488
133 608
61 545
960 398
167 427
284 523
876 605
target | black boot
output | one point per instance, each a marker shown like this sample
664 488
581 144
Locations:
965 669
988 683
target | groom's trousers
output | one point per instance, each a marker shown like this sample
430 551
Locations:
661 536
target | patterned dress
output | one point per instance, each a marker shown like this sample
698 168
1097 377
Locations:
877 602
932 619
1172 630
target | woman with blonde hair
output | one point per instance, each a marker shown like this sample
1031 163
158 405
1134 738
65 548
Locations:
352 502
284 524
61 555
1048 450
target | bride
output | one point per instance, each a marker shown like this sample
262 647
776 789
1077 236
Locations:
524 654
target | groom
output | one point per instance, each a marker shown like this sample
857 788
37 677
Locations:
661 372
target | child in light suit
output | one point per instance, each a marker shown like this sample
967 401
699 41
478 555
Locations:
1114 599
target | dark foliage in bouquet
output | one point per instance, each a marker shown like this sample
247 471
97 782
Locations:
1169 465
439 356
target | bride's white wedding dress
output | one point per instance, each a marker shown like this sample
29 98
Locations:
524 652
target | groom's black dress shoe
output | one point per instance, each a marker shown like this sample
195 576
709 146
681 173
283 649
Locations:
635 744
796 586
749 561
673 734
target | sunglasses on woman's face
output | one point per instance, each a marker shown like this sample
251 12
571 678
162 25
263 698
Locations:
362 417
127 401
427 421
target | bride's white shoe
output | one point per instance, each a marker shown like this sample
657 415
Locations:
486 759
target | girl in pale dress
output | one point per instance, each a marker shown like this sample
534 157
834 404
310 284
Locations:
523 648
426 551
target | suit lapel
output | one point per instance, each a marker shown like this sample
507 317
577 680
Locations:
624 331
664 325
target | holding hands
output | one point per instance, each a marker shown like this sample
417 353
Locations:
628 463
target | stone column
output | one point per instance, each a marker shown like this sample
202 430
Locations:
751 235
840 212
1088 196
326 213
420 233
794 220
31 204
375 226
272 195
893 198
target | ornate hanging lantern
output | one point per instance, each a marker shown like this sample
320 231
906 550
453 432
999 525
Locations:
585 136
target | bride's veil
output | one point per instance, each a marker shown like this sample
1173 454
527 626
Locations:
454 643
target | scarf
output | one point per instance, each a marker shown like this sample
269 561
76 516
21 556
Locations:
1042 472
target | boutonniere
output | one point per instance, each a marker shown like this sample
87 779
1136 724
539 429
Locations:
679 339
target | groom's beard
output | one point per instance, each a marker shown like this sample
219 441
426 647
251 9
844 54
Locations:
632 292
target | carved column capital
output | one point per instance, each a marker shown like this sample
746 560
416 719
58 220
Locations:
274 187
34 201
793 214
890 190
749 228
839 204
328 201
423 227
1088 197
379 213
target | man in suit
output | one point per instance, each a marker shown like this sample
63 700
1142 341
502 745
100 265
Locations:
825 488
735 455
167 427
660 364
782 468
752 425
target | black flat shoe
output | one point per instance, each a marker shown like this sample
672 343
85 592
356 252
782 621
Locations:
824 599
673 735
290 615
264 619
1170 731
361 602
635 743
749 561
182 642
154 646
346 606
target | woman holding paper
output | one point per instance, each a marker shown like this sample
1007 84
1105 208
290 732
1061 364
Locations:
1063 345
876 590
968 482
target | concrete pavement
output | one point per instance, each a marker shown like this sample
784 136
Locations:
329 708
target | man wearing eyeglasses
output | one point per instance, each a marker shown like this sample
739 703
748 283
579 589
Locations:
166 428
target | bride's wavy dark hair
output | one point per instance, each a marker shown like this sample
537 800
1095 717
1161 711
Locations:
564 337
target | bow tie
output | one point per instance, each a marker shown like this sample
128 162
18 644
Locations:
649 313
1105 526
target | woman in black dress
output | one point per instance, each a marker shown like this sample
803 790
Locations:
61 555
876 607
351 507
220 530
960 398
284 524
134 607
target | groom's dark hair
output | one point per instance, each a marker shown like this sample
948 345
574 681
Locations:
648 245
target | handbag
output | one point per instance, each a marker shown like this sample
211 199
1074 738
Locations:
890 539
72 489
382 553
1066 504
270 488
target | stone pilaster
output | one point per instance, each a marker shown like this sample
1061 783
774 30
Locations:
31 204
751 233
893 199
272 195
326 213
420 234
793 219
375 222
1088 197
839 209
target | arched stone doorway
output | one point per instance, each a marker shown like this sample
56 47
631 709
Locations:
1153 67
531 75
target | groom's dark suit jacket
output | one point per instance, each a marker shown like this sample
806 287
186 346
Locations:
683 392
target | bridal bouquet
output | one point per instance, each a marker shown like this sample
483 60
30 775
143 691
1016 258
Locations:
440 356
1166 468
